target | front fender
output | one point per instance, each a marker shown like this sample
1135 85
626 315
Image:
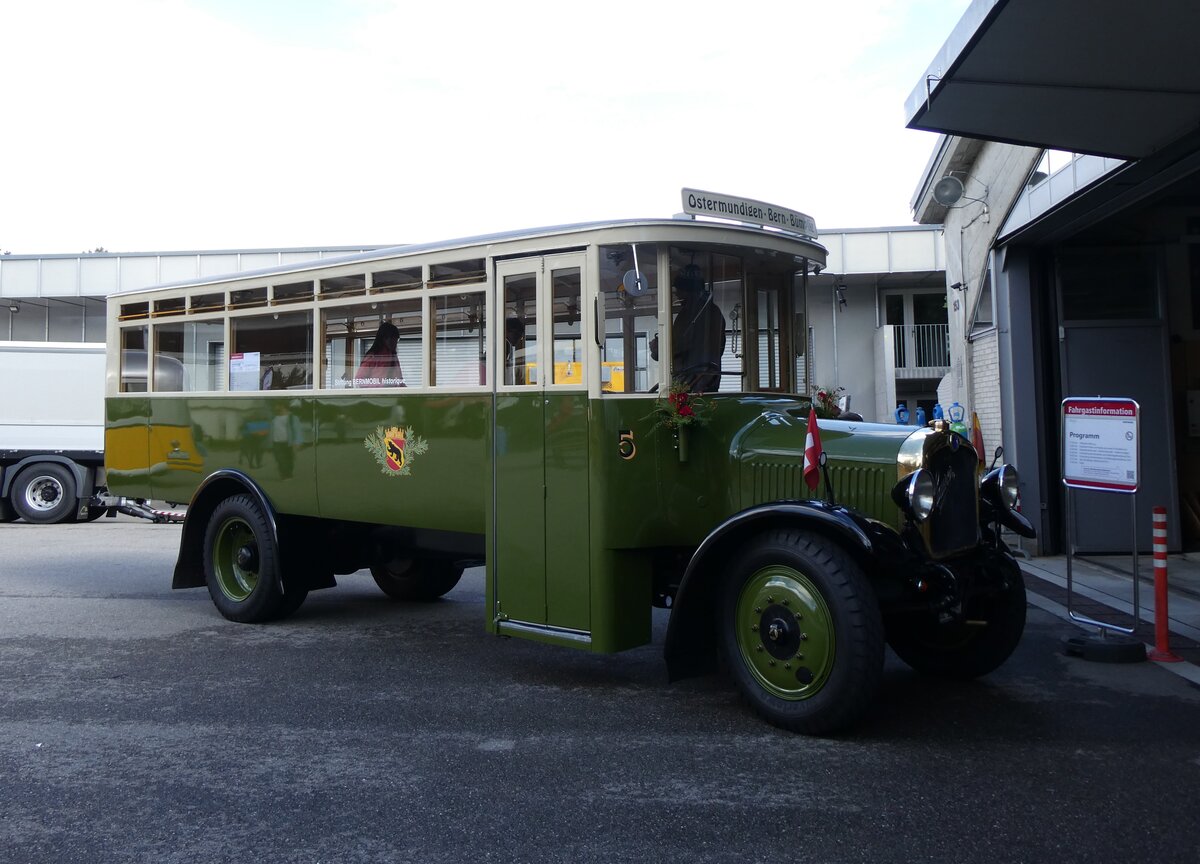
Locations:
189 567
690 647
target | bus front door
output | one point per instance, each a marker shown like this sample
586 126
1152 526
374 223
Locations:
539 555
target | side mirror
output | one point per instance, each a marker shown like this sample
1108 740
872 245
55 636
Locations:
997 456
635 283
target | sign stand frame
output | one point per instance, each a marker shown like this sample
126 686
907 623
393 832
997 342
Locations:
1107 421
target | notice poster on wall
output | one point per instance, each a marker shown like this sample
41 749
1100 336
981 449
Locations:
244 371
1100 444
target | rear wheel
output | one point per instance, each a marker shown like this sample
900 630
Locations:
44 493
241 564
416 579
801 632
984 637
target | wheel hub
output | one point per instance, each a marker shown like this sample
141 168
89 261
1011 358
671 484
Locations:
247 557
785 632
782 635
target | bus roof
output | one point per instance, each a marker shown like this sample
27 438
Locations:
808 249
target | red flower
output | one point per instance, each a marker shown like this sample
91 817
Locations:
686 411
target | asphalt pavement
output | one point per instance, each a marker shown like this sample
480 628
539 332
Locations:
136 724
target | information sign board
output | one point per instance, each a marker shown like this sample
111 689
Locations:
1100 444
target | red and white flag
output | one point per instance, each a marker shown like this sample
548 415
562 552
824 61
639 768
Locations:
812 451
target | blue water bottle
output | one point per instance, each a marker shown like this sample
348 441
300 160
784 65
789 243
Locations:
920 416
937 412
902 414
956 414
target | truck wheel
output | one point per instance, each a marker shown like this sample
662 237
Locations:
418 580
45 493
801 633
965 649
241 562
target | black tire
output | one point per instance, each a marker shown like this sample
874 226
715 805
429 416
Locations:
821 664
963 650
417 580
241 564
45 493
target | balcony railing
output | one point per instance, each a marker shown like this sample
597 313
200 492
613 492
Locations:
921 346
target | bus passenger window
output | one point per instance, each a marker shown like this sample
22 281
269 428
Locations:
133 359
629 298
189 356
271 352
706 314
568 349
458 328
349 333
520 329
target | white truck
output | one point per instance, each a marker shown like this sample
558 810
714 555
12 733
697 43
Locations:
52 435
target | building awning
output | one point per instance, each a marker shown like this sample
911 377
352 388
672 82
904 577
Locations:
1090 76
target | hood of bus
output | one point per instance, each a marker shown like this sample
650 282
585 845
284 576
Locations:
863 458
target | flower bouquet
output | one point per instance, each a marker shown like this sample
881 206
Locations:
825 401
679 410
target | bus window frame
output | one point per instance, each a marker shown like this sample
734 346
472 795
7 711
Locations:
430 293
546 264
381 298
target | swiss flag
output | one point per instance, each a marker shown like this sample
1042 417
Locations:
812 451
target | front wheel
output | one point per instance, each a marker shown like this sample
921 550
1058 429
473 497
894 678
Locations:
801 633
979 642
241 564
414 579
45 493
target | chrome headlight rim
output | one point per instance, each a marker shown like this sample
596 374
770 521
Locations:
915 495
1002 486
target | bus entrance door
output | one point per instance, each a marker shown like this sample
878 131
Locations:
539 529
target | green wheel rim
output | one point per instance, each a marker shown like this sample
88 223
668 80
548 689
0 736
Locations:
785 633
235 542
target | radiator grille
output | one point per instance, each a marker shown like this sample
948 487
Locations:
863 487
954 523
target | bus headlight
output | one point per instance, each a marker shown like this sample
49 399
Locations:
914 495
1000 486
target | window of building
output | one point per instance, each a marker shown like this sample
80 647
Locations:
1108 284
983 317
1051 162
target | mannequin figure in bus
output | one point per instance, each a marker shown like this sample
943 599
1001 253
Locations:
380 366
697 334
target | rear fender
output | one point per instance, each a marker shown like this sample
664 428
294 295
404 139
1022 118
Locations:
691 641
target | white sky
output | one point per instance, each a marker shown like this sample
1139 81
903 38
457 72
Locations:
150 125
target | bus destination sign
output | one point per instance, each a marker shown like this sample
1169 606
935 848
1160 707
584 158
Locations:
699 203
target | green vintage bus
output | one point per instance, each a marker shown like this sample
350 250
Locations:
519 432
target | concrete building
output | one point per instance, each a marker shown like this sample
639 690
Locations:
1068 182
61 298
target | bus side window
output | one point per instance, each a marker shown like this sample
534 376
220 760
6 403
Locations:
271 352
458 327
520 356
567 287
348 333
189 356
630 312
